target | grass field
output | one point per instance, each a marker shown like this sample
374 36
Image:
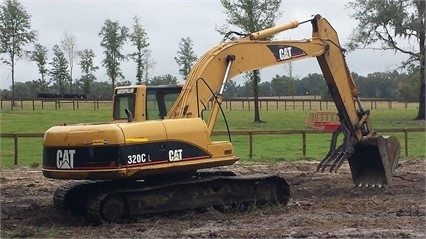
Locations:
266 148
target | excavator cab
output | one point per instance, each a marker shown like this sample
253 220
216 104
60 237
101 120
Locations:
141 102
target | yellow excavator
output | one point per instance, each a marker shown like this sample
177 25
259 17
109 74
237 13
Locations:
157 154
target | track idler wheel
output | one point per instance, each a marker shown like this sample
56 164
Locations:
112 209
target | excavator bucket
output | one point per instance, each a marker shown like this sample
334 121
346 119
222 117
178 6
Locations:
374 161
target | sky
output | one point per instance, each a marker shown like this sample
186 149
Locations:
166 22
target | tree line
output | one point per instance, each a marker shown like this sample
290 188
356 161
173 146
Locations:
388 85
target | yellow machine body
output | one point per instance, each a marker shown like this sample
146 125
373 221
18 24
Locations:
136 149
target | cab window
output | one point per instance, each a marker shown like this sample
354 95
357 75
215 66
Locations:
159 102
122 102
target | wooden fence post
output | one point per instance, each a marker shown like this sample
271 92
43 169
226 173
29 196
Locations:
15 142
250 144
406 141
304 143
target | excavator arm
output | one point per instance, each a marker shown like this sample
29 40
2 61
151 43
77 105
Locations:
251 52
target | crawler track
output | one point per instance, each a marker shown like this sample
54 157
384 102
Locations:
122 201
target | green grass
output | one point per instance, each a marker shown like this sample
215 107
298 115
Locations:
266 148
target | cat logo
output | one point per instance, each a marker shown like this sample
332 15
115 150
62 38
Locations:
284 53
65 159
175 155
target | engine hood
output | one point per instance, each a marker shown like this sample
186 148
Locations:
83 135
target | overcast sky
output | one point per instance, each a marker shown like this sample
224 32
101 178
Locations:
167 21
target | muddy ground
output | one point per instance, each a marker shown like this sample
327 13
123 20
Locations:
322 205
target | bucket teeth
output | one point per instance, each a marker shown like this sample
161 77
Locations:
370 185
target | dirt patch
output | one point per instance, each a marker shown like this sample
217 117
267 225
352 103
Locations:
322 205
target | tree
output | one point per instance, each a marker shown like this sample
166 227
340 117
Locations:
251 16
26 89
39 56
4 93
15 33
69 46
88 69
163 80
113 38
139 39
385 84
265 88
230 89
312 84
59 72
409 84
397 25
282 85
101 90
185 56
147 63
